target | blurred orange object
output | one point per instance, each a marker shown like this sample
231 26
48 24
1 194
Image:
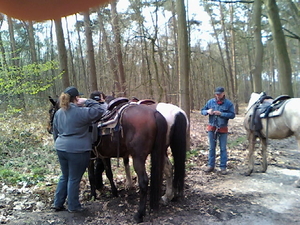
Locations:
39 10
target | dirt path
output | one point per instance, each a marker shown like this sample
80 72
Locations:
262 198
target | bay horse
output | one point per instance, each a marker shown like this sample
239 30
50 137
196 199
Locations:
143 132
282 123
178 124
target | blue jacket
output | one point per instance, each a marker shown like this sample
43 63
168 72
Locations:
226 109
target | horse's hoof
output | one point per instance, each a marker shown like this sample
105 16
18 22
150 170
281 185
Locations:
100 187
164 200
128 185
115 193
248 172
93 198
297 184
138 218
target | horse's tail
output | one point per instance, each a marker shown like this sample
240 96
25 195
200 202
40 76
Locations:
178 144
158 155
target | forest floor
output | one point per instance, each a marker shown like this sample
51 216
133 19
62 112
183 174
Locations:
262 198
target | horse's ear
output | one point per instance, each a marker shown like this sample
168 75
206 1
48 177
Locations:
52 100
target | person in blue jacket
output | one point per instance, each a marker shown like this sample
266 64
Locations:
73 144
219 110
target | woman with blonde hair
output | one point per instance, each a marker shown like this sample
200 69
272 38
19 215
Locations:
73 143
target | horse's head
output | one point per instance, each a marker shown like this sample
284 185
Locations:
253 99
256 98
53 109
109 98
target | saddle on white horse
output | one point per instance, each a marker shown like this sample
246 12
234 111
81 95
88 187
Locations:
267 107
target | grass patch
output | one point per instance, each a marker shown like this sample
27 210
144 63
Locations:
26 149
237 141
192 153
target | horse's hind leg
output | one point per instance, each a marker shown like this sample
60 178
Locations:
143 180
128 183
297 183
251 148
264 155
168 171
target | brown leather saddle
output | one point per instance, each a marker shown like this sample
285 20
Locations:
110 121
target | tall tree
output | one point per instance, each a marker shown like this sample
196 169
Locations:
234 61
224 70
2 49
90 52
258 60
30 31
80 52
284 65
13 45
184 59
118 47
62 52
112 61
227 51
73 72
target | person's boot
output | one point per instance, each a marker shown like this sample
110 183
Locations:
209 169
223 171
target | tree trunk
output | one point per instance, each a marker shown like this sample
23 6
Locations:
90 53
74 78
220 48
175 65
80 55
118 47
184 59
31 39
62 52
234 67
2 49
227 51
112 62
257 83
283 60
14 51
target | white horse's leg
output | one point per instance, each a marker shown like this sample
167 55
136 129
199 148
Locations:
297 183
264 155
128 183
251 148
168 171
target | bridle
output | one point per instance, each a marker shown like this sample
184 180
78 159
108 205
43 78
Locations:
52 112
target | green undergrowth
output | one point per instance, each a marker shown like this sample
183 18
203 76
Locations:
26 149
235 142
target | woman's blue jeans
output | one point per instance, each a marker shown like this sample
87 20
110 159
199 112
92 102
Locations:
213 139
73 166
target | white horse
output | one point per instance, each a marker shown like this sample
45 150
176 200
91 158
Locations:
278 127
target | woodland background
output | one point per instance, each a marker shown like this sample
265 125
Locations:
254 46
